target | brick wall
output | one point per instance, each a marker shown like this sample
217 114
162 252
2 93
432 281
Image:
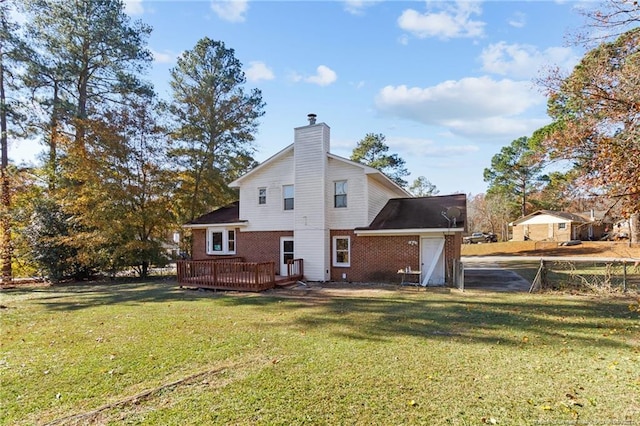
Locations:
199 244
261 246
253 246
377 259
373 259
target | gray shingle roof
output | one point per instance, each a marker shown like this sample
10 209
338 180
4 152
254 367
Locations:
227 214
421 213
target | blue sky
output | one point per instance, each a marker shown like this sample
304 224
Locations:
448 83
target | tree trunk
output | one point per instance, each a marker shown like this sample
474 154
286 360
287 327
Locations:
7 273
53 140
524 199
144 271
83 93
634 228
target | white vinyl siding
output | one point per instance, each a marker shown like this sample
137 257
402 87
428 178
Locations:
313 172
269 216
354 215
310 177
377 197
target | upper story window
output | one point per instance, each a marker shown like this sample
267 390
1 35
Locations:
287 195
221 241
340 193
262 195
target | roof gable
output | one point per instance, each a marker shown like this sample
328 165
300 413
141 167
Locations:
375 173
277 156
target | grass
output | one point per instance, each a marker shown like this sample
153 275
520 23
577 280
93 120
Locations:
600 249
394 356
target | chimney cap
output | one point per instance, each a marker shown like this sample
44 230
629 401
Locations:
312 118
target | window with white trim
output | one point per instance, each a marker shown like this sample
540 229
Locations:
287 196
340 193
231 241
221 241
341 251
262 196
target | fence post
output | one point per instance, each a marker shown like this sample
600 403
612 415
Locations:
624 276
460 278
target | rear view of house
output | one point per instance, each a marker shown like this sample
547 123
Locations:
346 221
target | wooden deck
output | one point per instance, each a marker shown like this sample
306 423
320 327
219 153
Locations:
232 273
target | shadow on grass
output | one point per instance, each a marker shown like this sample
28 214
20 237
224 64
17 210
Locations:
491 318
76 296
505 319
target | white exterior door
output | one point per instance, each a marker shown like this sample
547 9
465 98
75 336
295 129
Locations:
286 253
432 261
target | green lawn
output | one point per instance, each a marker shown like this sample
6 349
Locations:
396 356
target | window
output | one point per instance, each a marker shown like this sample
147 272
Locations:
562 226
231 241
221 241
262 195
340 191
341 251
287 251
287 194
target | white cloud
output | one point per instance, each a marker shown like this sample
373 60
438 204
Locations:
324 76
356 7
403 39
524 61
518 20
258 71
419 147
470 107
133 7
163 57
230 10
453 21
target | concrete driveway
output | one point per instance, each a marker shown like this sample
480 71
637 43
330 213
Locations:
486 274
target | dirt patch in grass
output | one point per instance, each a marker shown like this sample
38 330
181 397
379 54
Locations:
608 249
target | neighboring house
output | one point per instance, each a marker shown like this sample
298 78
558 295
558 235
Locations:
548 225
347 221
